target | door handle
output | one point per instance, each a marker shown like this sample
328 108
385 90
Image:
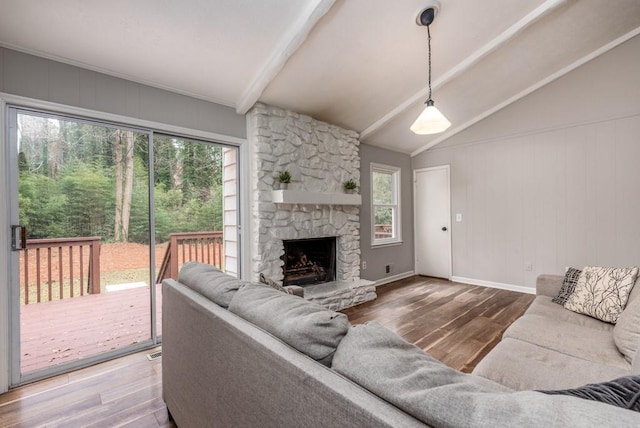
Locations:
23 237
444 228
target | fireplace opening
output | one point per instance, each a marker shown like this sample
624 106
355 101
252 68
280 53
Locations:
309 261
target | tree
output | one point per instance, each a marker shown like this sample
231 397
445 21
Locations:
124 183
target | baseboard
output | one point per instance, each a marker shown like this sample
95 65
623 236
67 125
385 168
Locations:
392 278
491 284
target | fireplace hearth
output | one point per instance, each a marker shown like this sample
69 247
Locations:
309 261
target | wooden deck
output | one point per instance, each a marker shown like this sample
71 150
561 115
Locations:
62 331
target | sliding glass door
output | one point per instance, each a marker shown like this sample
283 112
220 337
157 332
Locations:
90 201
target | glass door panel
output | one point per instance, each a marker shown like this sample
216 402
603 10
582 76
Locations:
194 199
84 276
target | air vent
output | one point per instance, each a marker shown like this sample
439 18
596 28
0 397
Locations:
154 355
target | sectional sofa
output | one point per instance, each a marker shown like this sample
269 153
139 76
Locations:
240 354
550 347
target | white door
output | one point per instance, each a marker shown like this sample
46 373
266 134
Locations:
432 221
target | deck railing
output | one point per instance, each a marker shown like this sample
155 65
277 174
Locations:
204 247
59 268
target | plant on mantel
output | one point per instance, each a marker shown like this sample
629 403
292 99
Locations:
350 186
284 177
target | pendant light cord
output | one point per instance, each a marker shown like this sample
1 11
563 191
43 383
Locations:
429 44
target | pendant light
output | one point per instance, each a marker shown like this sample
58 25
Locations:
430 121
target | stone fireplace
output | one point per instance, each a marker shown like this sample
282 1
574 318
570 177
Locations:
320 157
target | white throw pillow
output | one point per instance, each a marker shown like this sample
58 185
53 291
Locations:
602 292
626 333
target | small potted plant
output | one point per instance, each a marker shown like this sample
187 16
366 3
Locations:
350 186
284 177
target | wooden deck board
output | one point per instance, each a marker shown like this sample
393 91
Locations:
61 331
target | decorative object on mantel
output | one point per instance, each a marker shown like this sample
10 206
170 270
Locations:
284 177
350 186
431 120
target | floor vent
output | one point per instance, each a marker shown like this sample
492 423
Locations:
154 356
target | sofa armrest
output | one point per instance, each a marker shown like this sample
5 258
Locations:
548 285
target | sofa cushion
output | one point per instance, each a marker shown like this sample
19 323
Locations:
543 306
622 392
521 365
382 362
210 281
568 285
306 326
602 292
571 339
626 333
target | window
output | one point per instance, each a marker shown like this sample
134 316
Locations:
385 204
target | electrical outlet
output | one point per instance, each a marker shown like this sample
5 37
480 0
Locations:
387 268
528 267
364 265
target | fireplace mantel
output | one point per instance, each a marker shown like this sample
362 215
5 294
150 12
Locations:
317 198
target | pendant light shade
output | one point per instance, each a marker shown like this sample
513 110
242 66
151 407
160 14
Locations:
430 121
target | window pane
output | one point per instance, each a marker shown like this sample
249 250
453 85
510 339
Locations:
383 188
383 217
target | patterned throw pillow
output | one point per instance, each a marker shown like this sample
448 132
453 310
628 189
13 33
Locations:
602 292
271 283
568 285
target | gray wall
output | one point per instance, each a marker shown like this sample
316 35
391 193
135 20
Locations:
400 256
552 180
47 80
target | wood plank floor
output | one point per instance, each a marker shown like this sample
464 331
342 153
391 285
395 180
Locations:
456 323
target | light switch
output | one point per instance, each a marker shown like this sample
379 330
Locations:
458 217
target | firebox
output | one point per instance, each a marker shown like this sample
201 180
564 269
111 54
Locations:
309 261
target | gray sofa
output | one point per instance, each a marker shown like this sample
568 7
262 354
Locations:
243 355
550 347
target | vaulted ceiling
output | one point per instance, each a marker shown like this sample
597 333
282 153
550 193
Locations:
360 64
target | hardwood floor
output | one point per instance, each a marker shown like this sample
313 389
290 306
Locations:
456 323
126 392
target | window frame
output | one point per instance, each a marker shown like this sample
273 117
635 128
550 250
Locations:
396 228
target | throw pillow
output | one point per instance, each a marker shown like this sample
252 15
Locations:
568 285
306 326
210 281
622 392
602 292
271 283
626 333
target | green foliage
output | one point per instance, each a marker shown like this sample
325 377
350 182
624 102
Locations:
87 191
41 206
284 177
68 176
350 184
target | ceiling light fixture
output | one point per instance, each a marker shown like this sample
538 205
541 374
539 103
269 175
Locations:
430 121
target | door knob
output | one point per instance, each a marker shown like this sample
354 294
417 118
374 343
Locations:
444 228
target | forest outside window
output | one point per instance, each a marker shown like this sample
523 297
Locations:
385 205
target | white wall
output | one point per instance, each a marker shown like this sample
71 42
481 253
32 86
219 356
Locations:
552 180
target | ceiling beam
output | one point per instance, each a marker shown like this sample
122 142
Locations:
467 63
529 90
289 44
